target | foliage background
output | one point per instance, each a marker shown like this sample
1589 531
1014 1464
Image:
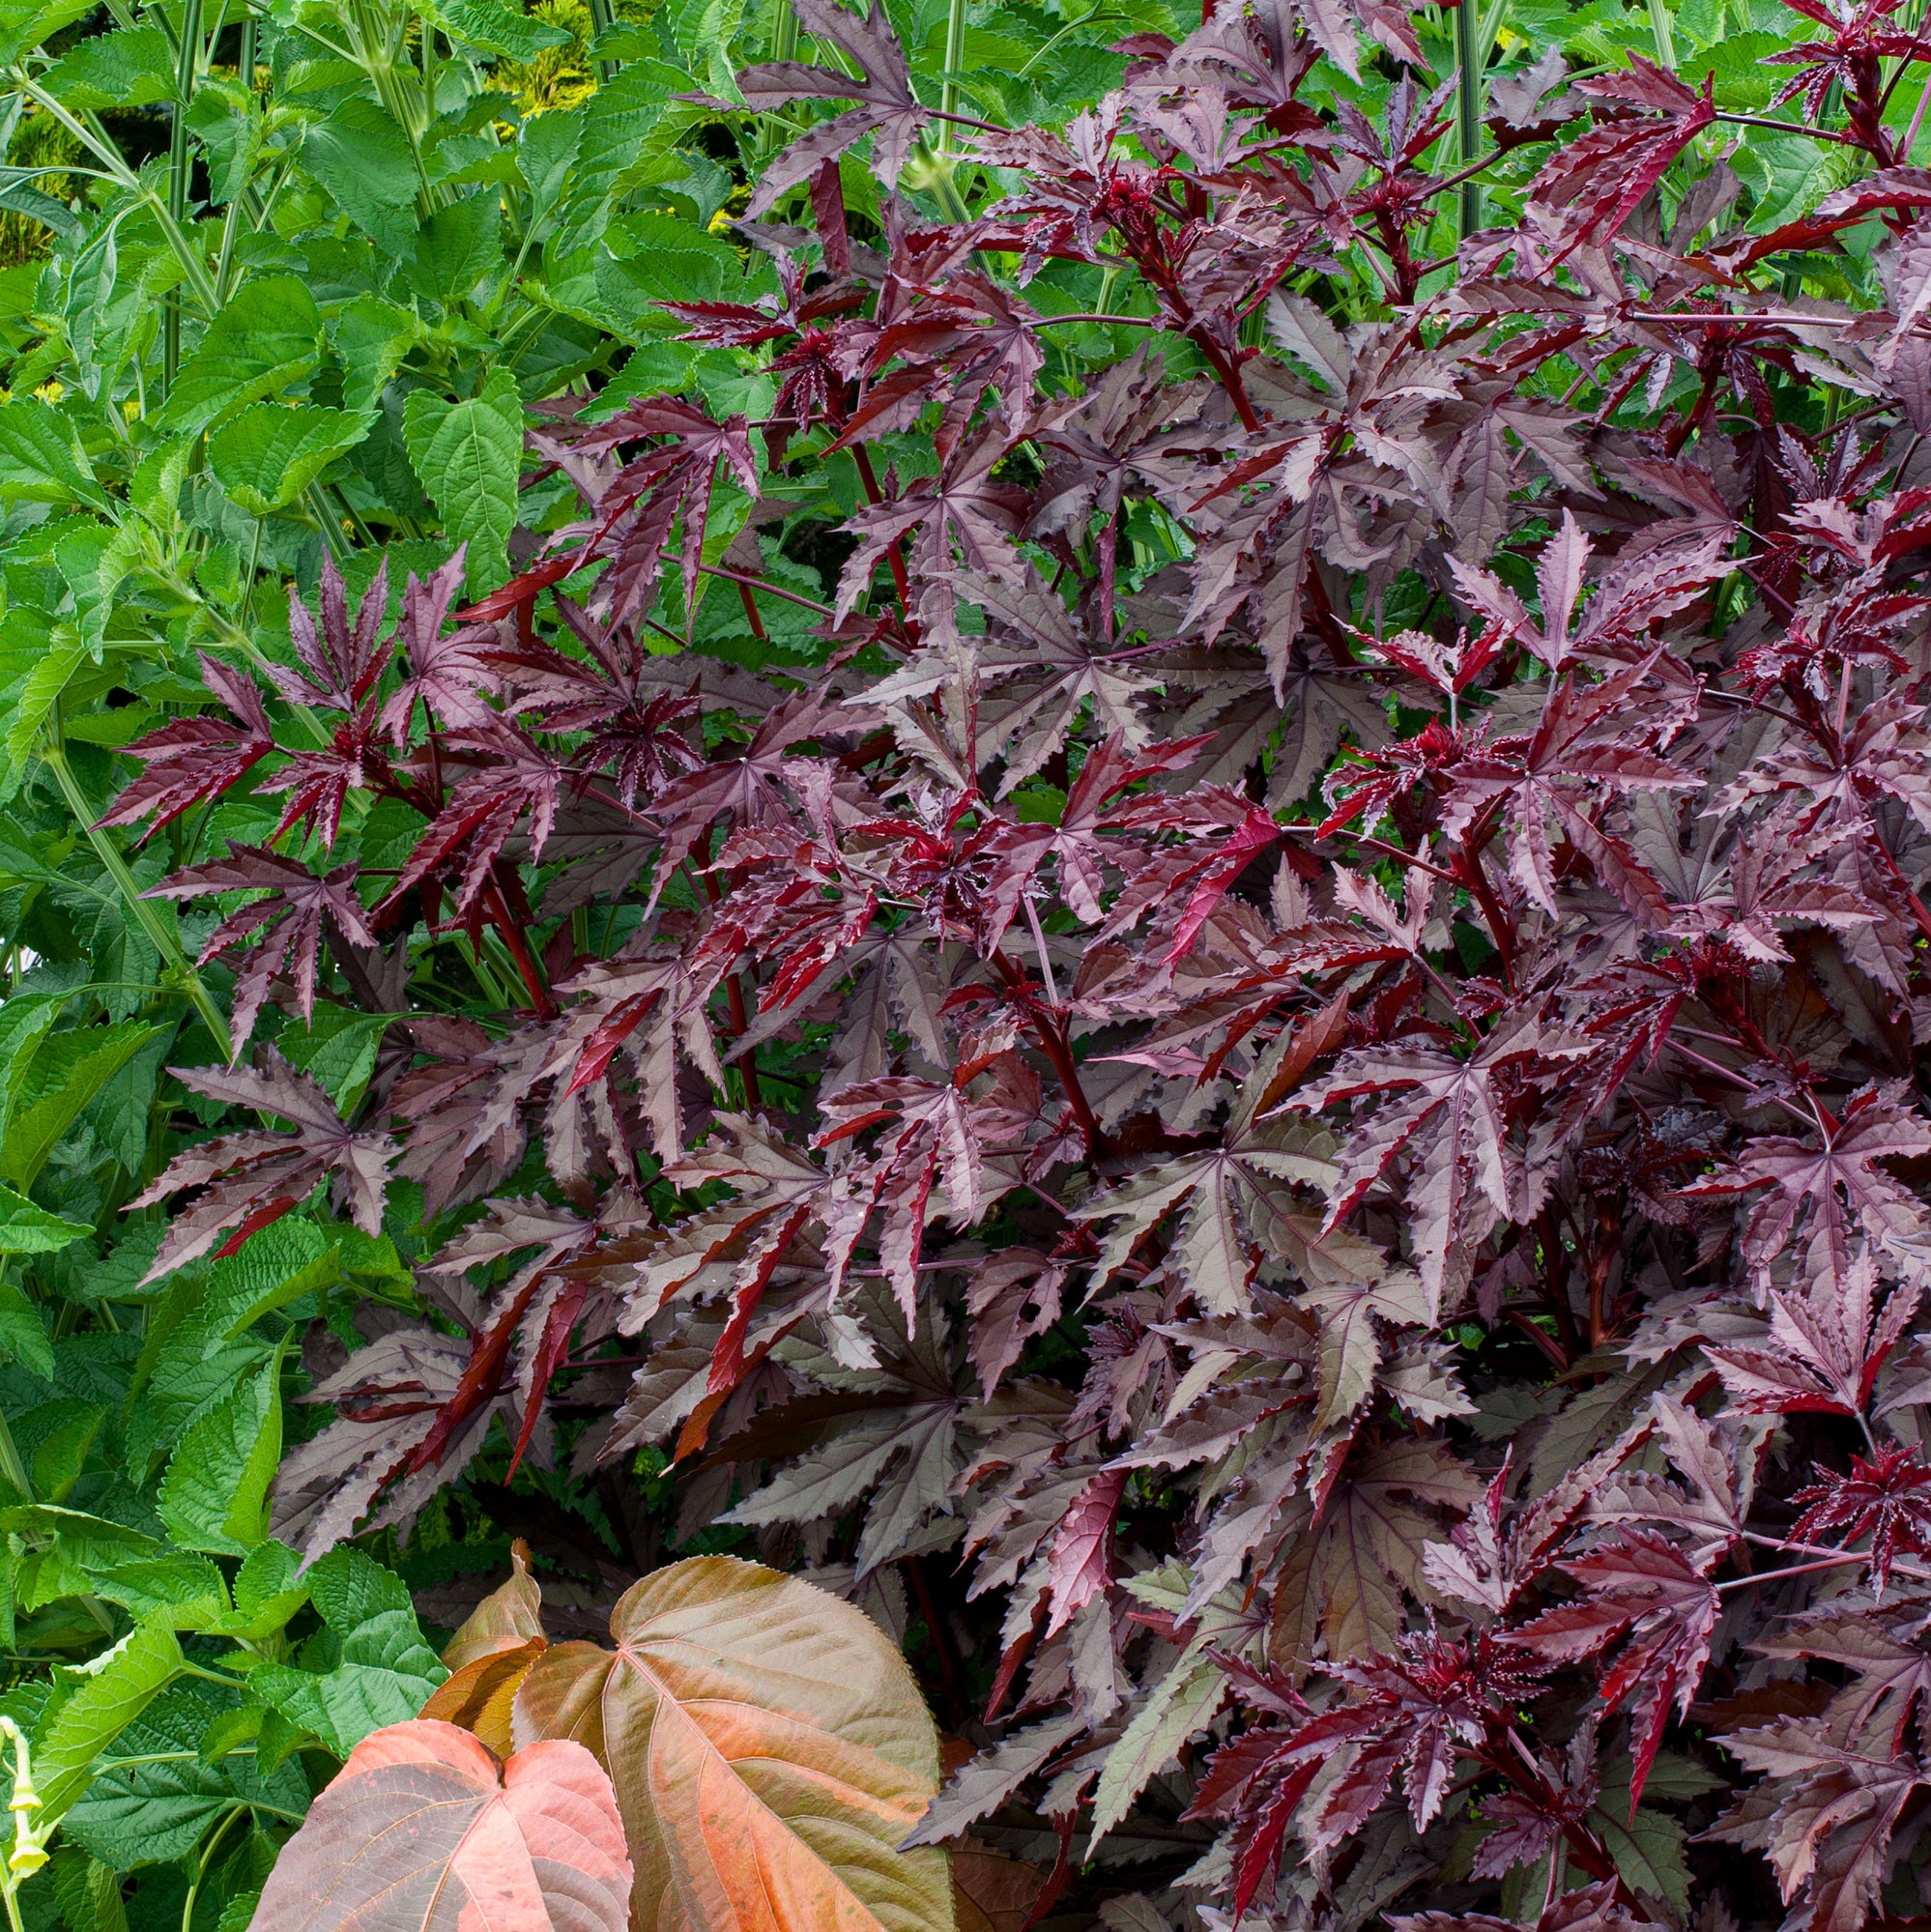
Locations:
291 286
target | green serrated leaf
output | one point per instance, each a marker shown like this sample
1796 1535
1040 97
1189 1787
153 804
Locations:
23 24
268 455
61 1454
155 1796
108 1694
1649 1854
268 1589
186 1591
498 29
363 160
89 1893
28 1230
385 1671
349 1587
24 1334
67 1072
134 67
42 460
469 455
339 1048
260 343
371 336
214 1494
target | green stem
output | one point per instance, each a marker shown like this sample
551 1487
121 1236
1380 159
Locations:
1665 35
207 1859
187 70
11 1465
231 222
332 527
141 911
214 1677
942 186
1468 110
955 60
784 47
602 19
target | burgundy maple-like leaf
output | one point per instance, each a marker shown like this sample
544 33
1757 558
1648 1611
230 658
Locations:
1080 1565
341 659
750 787
1825 1349
287 924
1528 1822
816 378
1887 1499
1603 1907
935 1133
1451 1117
1642 1586
191 760
251 1178
514 780
888 109
612 694
1589 742
1411 1713
638 507
387 1396
1834 1807
447 677
962 341
963 507
1599 178
1833 1186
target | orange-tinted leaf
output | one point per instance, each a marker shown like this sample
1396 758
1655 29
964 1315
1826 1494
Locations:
478 1697
505 1620
489 1656
423 1832
770 1751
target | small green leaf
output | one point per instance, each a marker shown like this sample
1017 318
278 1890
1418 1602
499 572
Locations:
89 1893
27 1230
61 1454
131 69
184 1590
457 247
371 336
67 1072
385 1670
155 1796
469 455
349 1587
339 1048
363 160
24 1334
268 455
386 1675
214 1494
42 460
498 29
268 1589
264 340
226 120
109 1692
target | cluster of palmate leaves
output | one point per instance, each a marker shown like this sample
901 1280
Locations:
1116 827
